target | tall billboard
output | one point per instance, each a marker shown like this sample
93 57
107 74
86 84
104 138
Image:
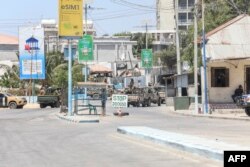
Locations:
70 18
31 53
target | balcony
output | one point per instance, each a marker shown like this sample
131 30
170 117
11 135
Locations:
163 42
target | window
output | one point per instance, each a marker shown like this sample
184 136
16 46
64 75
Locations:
219 77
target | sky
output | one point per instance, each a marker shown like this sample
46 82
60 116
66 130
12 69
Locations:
109 16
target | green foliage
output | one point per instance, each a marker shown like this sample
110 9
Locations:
167 56
53 59
10 78
123 34
141 43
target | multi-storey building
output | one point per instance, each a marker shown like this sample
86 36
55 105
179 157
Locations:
165 15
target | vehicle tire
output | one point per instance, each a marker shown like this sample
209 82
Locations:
149 103
42 105
128 104
143 104
12 105
159 102
138 104
57 105
247 110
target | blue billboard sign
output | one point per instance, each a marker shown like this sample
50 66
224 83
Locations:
32 67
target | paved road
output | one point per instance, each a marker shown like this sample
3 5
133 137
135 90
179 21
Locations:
36 138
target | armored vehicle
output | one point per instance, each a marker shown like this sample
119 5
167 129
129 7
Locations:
49 97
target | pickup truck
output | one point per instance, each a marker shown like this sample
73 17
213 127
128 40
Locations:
244 102
11 101
144 96
48 100
51 98
133 97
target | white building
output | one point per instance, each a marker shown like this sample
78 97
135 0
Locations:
8 51
228 55
165 15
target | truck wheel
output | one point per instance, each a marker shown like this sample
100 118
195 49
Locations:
138 104
42 105
12 105
149 102
159 102
247 110
57 105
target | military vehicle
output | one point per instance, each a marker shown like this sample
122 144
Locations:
152 96
133 96
161 91
49 97
142 96
11 101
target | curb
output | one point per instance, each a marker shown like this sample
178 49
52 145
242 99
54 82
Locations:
211 116
196 145
74 120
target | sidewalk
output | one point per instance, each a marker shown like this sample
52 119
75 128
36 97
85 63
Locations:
200 146
232 114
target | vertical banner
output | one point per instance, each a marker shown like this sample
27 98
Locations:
147 58
85 48
31 53
70 18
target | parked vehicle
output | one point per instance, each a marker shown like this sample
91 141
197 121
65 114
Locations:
133 96
51 97
11 101
244 102
153 96
162 92
142 96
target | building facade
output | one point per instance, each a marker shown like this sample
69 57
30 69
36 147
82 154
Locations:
228 56
165 15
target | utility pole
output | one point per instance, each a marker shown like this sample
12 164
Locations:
195 59
205 105
146 35
177 46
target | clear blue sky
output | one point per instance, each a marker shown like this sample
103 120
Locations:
109 16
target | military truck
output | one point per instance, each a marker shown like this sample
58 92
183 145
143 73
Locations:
142 96
152 96
133 96
161 91
50 97
11 101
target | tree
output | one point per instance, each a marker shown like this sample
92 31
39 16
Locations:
141 43
167 56
10 78
53 59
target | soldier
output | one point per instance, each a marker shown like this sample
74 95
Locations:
103 100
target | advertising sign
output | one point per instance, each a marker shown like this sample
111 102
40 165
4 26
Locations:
147 58
31 53
70 18
119 101
85 48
